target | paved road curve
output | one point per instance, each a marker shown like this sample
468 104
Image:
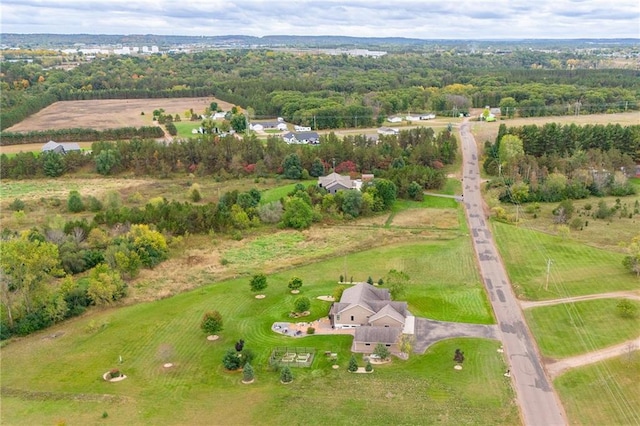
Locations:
539 404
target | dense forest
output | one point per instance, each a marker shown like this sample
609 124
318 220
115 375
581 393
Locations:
328 91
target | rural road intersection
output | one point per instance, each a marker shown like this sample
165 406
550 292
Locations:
539 404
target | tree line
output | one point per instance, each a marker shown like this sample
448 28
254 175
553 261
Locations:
79 135
228 156
272 83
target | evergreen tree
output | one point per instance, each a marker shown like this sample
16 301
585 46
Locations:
52 164
247 373
286 376
353 364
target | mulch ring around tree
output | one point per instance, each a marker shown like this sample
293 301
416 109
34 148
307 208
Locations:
212 337
107 377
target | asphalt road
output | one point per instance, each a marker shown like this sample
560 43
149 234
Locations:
539 404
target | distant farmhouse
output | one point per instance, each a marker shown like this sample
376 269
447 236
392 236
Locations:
375 317
60 148
311 138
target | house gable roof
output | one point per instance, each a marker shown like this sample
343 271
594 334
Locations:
388 311
377 334
334 179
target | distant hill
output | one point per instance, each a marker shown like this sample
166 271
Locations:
54 41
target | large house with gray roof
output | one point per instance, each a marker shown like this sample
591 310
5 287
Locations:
60 148
375 317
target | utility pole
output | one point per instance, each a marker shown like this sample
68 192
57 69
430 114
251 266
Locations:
356 121
315 126
546 286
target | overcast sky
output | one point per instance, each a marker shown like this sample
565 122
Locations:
427 19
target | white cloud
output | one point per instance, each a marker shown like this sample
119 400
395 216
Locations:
462 19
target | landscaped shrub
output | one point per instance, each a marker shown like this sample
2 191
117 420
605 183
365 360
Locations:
247 373
211 322
114 373
246 356
302 304
258 282
353 364
295 283
286 376
381 351
368 368
311 330
231 360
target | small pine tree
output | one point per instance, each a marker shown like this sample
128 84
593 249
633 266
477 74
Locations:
286 376
368 368
370 280
74 203
353 364
341 278
247 373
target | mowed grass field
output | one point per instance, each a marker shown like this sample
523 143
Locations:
580 327
576 269
605 393
47 380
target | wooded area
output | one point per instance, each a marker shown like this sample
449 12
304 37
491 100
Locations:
327 91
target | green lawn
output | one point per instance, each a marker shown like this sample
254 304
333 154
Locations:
576 328
576 269
62 374
185 127
605 393
282 191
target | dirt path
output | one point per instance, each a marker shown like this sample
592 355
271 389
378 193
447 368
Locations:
525 304
556 368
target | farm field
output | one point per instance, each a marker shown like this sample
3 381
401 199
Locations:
425 388
603 393
110 113
576 269
576 328
484 131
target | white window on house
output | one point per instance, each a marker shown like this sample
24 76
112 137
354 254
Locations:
337 317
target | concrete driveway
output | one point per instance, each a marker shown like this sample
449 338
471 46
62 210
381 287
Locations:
428 332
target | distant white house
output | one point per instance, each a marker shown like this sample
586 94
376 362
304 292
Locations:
301 138
418 117
60 148
388 131
219 115
394 119
268 125
302 128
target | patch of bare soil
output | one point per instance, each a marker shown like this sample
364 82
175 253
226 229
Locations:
110 113
428 218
